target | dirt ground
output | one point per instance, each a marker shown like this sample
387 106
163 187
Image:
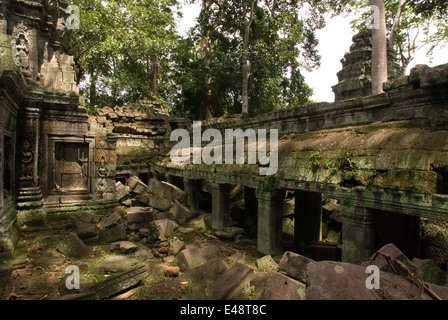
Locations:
39 268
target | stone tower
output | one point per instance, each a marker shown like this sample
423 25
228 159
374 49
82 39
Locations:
355 78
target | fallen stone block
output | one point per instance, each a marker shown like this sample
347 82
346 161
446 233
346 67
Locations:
112 285
276 286
267 264
165 228
135 181
200 222
110 220
139 217
328 280
390 259
174 193
121 190
125 247
191 258
233 284
208 271
294 265
115 233
431 271
154 201
86 230
176 246
73 247
180 213
89 217
166 190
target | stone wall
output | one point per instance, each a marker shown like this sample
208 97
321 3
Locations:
50 162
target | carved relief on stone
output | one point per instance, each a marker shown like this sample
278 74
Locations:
27 159
21 53
23 45
103 173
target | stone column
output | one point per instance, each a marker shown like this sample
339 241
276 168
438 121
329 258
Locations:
308 218
193 190
270 213
29 200
220 205
358 234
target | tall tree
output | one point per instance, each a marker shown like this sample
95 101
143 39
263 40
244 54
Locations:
122 48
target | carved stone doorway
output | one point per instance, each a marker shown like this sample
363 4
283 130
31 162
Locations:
71 167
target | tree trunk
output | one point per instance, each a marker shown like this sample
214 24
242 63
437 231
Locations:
92 89
245 56
379 48
155 75
206 107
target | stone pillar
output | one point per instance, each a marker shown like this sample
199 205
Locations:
358 234
220 205
270 213
308 218
193 190
29 200
105 159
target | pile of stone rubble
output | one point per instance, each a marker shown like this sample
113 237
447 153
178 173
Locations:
148 231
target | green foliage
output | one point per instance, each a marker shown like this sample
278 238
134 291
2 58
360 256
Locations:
314 161
114 47
281 44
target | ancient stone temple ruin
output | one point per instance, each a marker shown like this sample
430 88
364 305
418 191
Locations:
382 160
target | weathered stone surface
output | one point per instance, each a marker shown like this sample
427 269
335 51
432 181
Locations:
135 181
166 190
122 190
327 280
176 246
165 228
267 264
139 217
381 260
200 222
111 285
208 271
115 264
155 201
194 257
276 286
295 265
232 284
114 233
110 220
431 272
180 213
86 230
73 247
125 247
89 217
